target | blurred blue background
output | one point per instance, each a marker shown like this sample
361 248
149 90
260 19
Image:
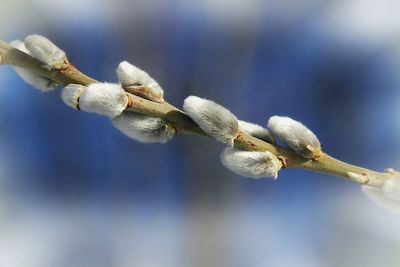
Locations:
76 192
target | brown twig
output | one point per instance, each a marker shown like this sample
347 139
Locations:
326 164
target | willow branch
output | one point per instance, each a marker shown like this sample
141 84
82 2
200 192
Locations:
326 164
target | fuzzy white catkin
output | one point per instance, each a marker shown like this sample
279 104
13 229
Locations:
39 82
138 82
296 136
214 119
388 196
103 98
144 128
45 51
251 163
71 94
391 188
257 131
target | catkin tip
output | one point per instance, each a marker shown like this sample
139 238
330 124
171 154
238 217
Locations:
104 98
138 82
257 131
45 51
214 119
144 128
39 82
296 136
252 164
71 94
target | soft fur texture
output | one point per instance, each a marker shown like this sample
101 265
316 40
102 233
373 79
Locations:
388 196
143 128
256 131
103 98
44 50
296 136
138 82
214 119
250 163
71 94
39 82
391 188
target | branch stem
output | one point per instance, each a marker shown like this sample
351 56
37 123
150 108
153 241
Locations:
184 124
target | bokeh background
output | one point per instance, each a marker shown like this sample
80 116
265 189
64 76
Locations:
76 192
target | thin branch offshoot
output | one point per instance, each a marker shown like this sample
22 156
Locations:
66 74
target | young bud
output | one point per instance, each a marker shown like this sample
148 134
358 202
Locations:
296 136
71 94
388 196
357 177
45 51
103 98
251 163
39 82
214 119
256 131
138 82
143 128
